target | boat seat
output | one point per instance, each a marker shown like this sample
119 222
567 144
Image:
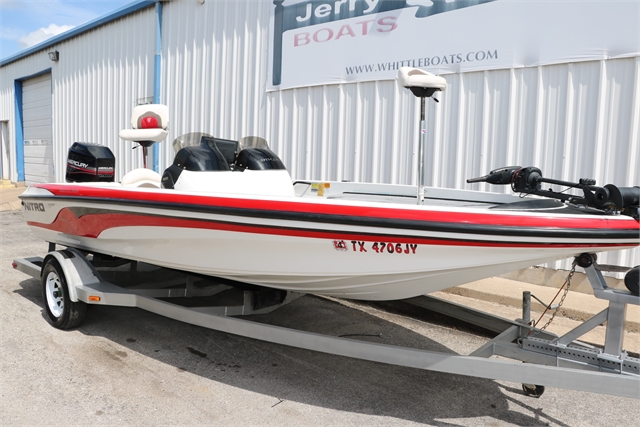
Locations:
149 123
421 83
145 178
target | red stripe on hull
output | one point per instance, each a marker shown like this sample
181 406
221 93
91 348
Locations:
92 225
498 219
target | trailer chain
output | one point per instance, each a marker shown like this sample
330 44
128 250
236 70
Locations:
532 333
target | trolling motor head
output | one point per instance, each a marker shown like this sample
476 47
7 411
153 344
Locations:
522 180
529 180
500 176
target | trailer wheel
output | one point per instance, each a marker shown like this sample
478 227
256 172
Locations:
533 390
61 311
632 280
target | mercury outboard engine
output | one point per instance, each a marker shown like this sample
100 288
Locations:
87 162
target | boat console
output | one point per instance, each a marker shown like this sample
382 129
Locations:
217 154
220 165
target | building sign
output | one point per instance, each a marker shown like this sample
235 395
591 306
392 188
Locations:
316 42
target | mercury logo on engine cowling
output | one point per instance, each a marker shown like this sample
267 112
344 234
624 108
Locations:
105 171
77 163
32 206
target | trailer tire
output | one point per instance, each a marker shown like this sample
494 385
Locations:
60 311
632 280
533 390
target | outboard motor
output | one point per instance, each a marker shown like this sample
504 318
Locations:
87 162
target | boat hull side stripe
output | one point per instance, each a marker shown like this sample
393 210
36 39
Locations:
322 212
590 229
87 222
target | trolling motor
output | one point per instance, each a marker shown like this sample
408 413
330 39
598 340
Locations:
529 180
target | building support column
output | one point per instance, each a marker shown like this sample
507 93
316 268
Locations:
157 73
19 127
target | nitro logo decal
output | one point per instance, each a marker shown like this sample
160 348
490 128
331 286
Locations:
316 12
377 247
31 206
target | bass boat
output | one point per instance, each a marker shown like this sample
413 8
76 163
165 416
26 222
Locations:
230 210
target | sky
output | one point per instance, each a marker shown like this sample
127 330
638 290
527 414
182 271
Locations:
25 23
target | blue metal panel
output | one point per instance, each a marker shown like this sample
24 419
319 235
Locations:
17 89
19 124
157 62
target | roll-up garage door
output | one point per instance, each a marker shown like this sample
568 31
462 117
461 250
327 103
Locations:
38 139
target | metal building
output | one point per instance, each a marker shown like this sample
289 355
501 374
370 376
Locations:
207 60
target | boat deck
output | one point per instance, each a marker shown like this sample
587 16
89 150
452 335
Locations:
400 194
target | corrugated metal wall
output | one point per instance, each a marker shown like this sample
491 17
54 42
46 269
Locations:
571 120
213 68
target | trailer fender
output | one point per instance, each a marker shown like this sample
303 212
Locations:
77 270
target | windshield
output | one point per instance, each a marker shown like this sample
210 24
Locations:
253 142
188 140
194 138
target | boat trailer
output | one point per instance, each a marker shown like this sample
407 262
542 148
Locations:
71 279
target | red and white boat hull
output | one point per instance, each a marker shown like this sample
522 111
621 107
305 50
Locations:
349 249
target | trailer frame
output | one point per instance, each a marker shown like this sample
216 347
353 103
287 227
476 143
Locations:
550 360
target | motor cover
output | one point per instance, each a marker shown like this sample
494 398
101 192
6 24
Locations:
88 162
